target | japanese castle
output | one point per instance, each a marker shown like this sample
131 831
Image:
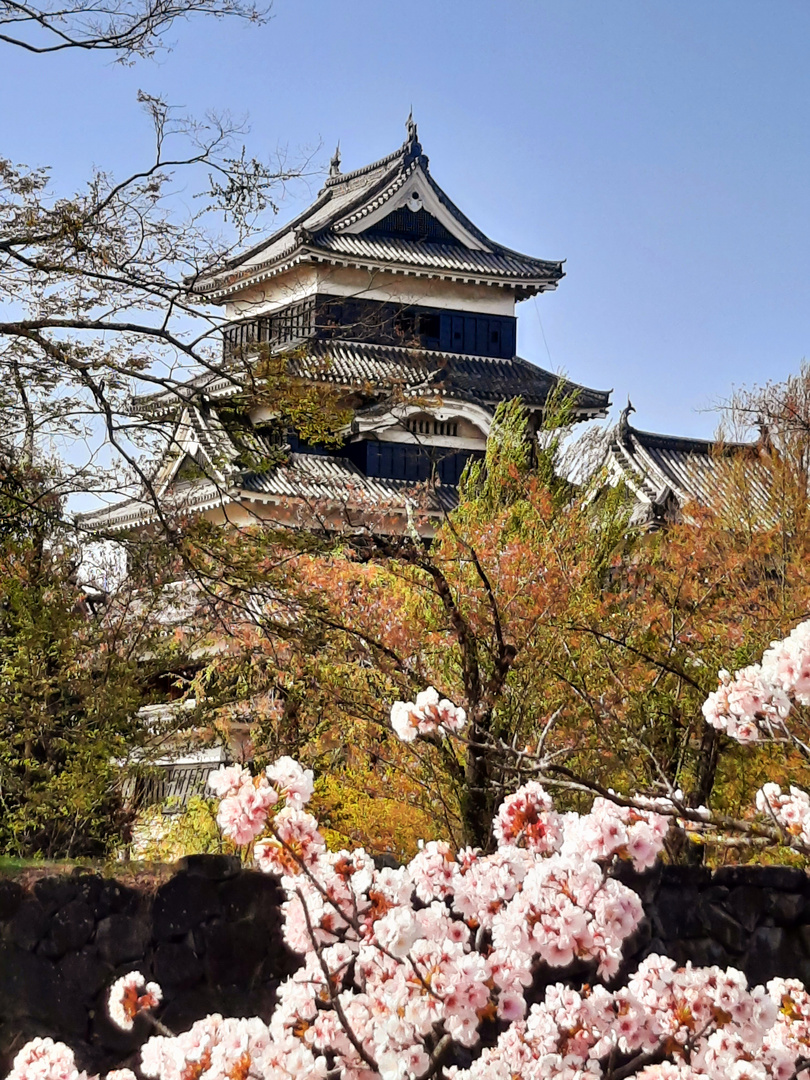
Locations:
385 293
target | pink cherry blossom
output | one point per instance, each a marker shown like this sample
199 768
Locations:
44 1059
398 962
242 816
295 783
296 841
130 995
228 779
756 702
428 715
527 819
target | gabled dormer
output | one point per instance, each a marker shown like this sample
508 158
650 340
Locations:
389 218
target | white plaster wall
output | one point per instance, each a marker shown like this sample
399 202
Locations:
303 281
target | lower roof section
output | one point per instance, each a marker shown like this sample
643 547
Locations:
307 485
478 379
666 473
335 480
380 370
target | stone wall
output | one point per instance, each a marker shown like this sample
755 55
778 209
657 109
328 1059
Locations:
210 935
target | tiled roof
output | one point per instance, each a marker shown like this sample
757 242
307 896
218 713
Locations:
178 778
454 259
478 379
380 369
307 478
331 228
212 384
316 477
667 472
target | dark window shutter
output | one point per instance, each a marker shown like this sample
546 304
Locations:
482 337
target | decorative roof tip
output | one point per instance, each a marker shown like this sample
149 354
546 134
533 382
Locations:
404 155
624 420
412 147
334 164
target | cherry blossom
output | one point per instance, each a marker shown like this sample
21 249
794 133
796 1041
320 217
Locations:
430 969
242 815
44 1059
755 704
228 779
527 819
427 715
757 700
130 995
296 842
295 783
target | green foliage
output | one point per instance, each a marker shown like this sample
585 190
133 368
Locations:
165 834
498 480
72 677
358 804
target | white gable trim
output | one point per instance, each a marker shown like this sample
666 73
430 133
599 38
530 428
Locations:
418 185
186 443
448 410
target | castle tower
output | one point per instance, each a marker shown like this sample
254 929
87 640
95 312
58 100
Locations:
384 291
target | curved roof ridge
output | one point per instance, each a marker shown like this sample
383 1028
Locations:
410 149
290 227
387 188
685 442
344 178
561 378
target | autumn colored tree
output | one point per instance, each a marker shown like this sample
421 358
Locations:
538 611
372 617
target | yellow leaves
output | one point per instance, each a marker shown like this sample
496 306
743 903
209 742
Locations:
789 1008
363 806
240 1070
682 1014
488 1012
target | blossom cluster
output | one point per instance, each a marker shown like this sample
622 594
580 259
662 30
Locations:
130 995
713 1026
429 969
401 968
44 1059
428 715
757 700
755 704
791 812
528 819
246 800
430 950
229 1049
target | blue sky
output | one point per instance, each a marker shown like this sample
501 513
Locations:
662 149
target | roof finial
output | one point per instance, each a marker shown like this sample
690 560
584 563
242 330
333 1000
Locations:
334 164
412 148
624 419
410 125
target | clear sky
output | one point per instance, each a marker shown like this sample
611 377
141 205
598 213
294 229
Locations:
662 149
